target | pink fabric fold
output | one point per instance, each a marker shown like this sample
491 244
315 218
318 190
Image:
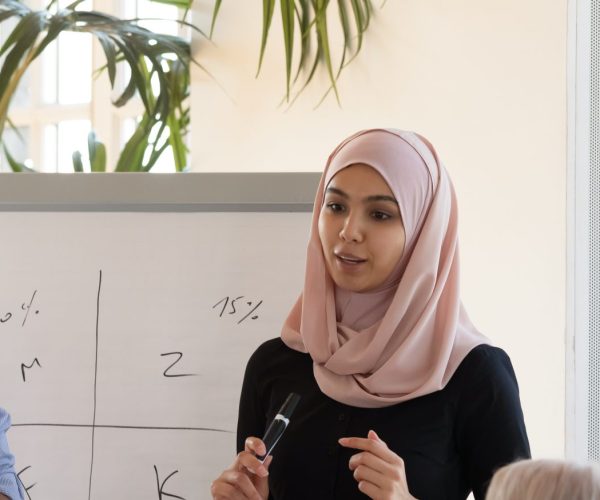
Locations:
406 338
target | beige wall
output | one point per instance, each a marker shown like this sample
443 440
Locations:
486 82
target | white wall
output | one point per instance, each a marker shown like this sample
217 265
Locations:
486 82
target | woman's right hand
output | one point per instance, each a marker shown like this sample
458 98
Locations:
247 478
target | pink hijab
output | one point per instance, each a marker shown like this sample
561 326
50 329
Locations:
406 338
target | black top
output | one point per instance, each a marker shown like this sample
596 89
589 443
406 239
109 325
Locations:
451 441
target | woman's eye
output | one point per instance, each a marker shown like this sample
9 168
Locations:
335 207
380 215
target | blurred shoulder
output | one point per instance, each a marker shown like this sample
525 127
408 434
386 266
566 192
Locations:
4 419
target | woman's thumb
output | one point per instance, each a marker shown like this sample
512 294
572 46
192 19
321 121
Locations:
268 461
373 435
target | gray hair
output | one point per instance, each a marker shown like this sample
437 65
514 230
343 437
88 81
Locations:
546 480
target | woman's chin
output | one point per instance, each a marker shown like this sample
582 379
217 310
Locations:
350 283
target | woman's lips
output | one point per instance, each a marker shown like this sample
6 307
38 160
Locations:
348 261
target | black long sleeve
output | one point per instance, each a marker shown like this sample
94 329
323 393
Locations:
451 441
490 430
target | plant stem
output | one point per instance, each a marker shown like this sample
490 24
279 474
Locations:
176 143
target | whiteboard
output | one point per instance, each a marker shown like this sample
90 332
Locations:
124 340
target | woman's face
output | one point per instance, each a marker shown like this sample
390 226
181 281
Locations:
361 229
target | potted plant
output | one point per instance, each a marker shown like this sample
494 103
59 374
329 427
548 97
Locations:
166 59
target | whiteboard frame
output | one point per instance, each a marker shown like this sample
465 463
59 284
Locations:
578 236
138 192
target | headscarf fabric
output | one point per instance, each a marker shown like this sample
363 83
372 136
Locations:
407 337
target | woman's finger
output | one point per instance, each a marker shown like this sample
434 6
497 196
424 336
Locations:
378 471
220 490
374 436
267 462
247 460
246 478
242 483
375 446
376 463
255 445
363 472
371 490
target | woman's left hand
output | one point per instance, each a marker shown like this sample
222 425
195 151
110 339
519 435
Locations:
378 470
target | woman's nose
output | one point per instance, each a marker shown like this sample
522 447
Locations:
351 230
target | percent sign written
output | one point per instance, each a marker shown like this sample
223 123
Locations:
228 301
24 307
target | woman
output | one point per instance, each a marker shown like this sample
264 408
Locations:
9 486
546 480
401 396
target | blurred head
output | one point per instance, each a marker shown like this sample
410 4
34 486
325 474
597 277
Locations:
545 480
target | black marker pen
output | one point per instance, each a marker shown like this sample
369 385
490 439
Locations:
279 424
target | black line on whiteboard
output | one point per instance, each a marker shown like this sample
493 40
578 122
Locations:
95 382
173 375
25 488
139 427
255 308
23 366
160 486
157 480
24 307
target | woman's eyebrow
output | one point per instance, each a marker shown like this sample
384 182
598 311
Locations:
336 191
368 199
381 197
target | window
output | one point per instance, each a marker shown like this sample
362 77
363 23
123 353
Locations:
59 100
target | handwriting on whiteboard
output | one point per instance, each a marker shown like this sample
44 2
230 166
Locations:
25 487
238 306
168 373
160 486
23 366
21 312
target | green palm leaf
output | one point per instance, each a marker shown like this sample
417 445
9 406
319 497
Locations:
309 17
288 22
183 4
268 9
14 164
148 55
214 16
